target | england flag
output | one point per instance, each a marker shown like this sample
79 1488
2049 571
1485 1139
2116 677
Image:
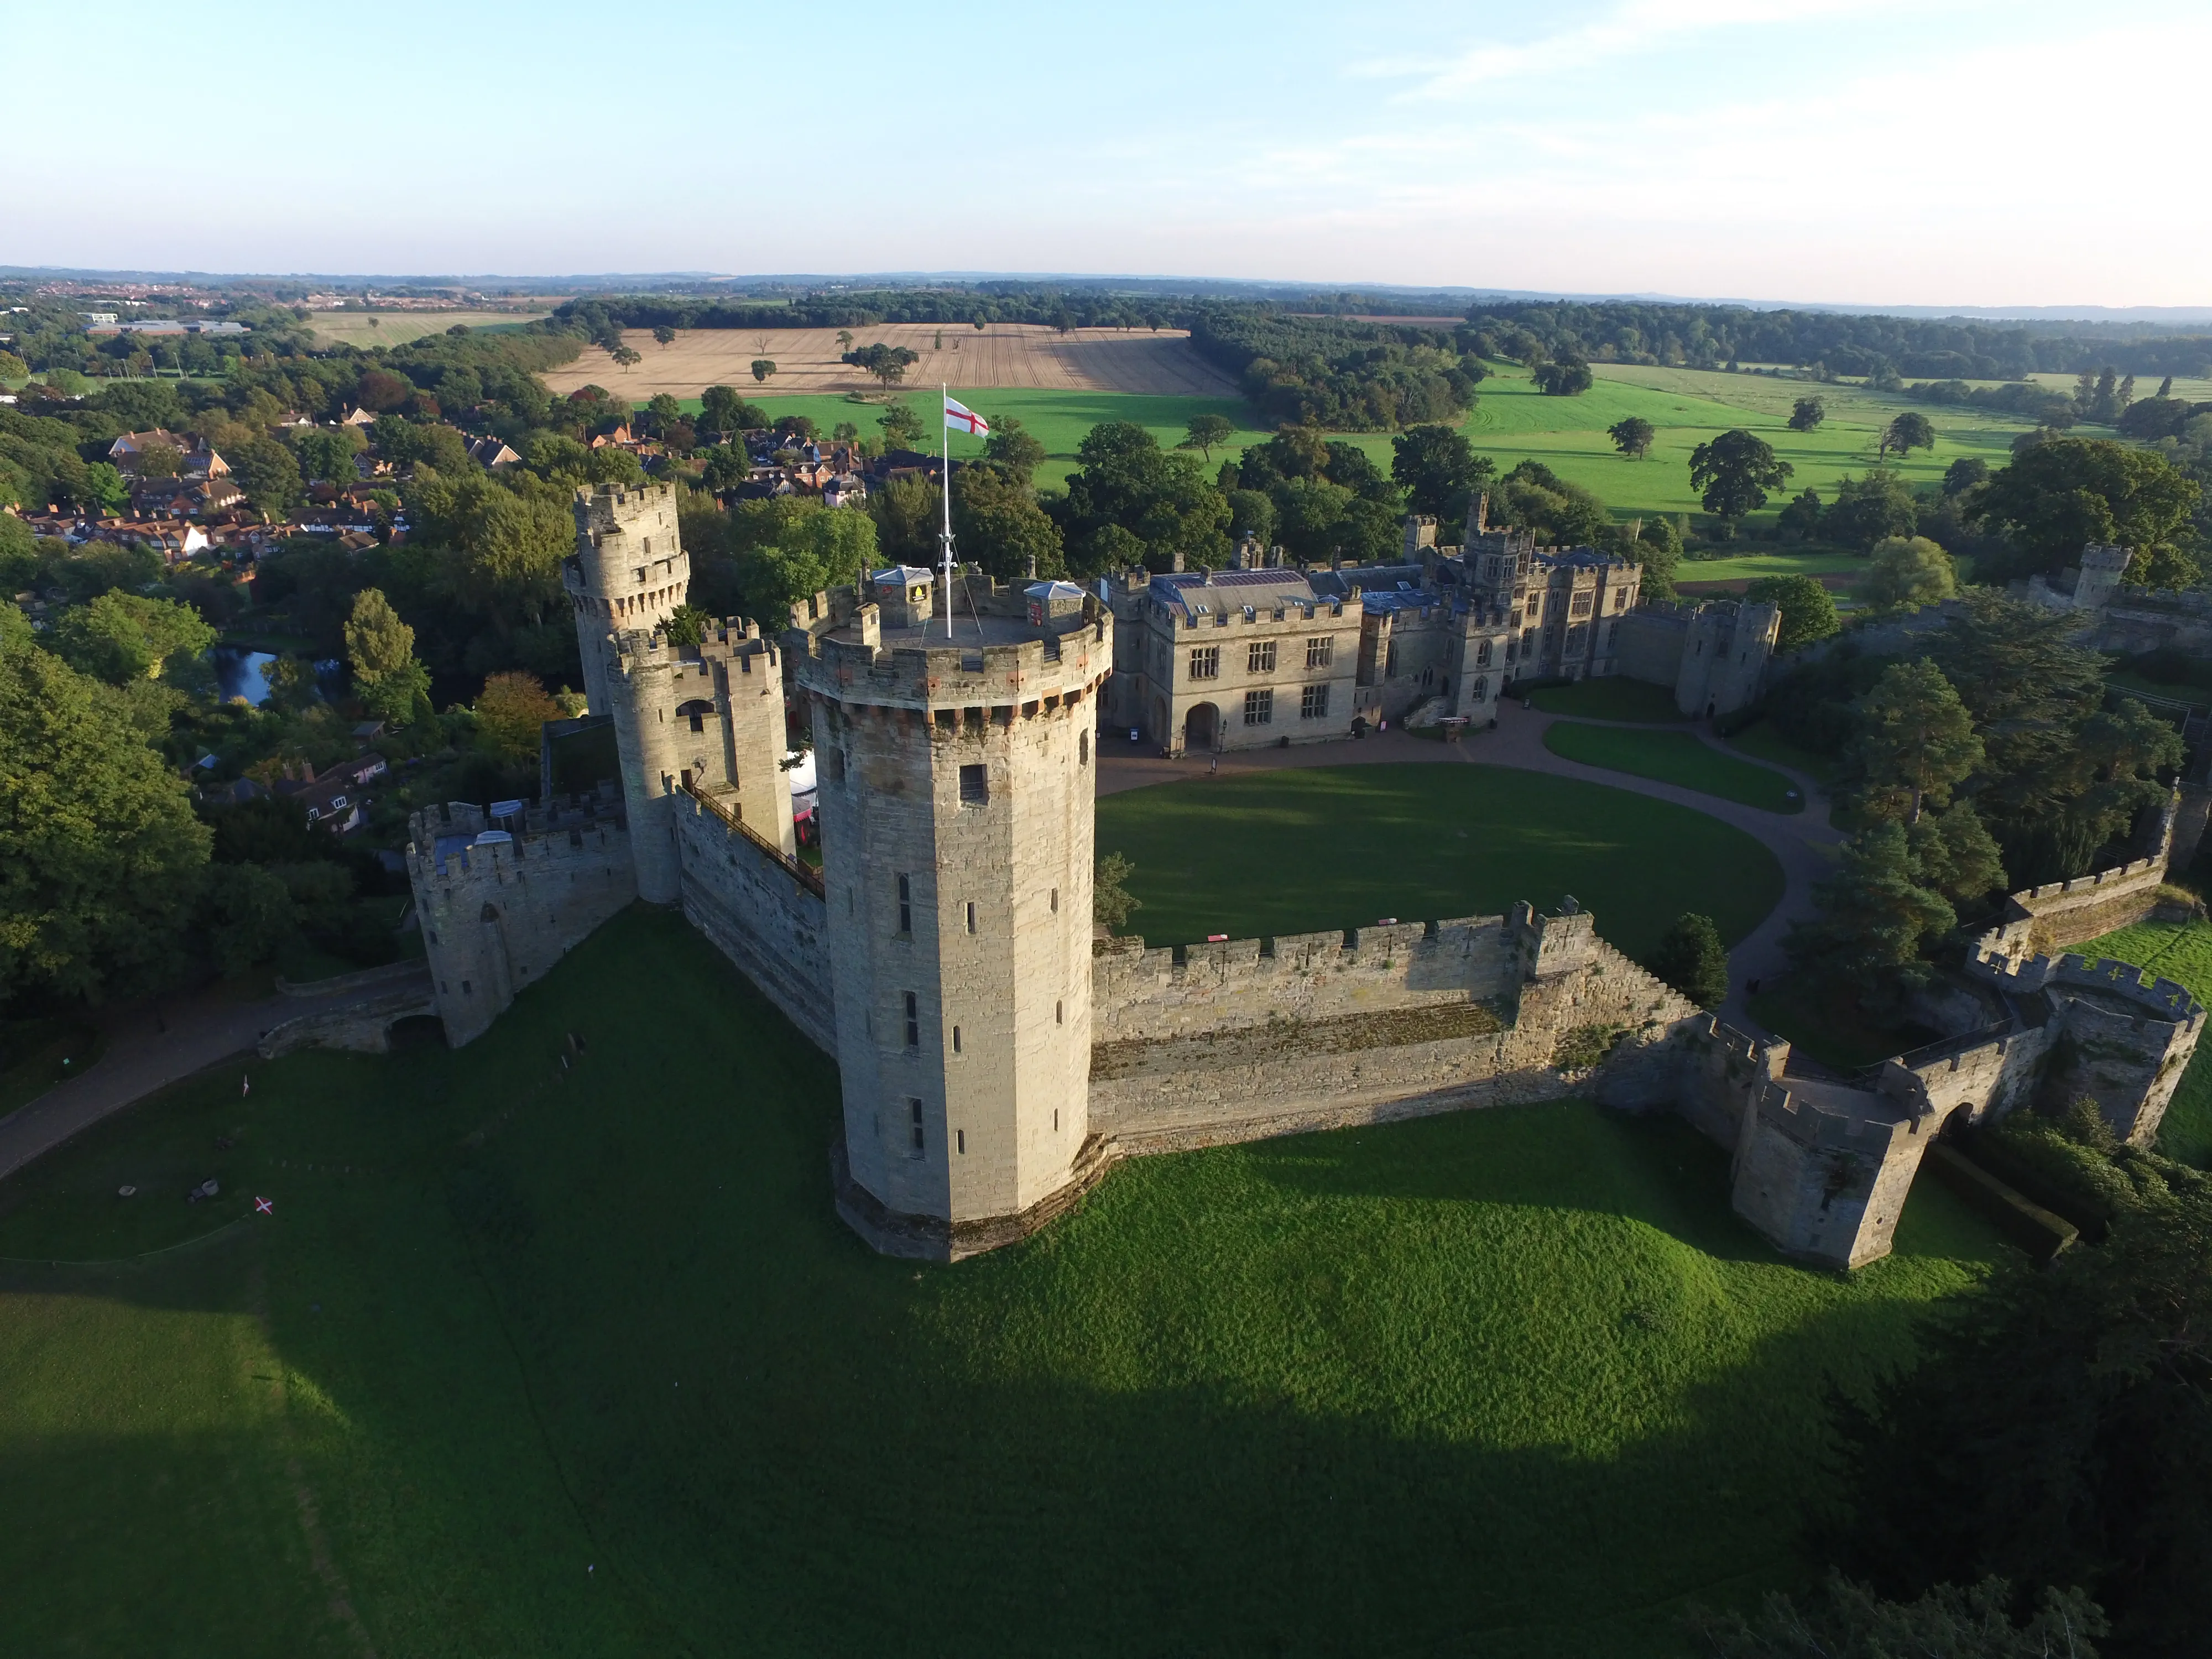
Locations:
960 418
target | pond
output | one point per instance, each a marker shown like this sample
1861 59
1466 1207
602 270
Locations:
238 674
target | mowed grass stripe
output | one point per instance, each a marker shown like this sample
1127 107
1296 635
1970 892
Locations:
1303 849
1675 757
1516 1376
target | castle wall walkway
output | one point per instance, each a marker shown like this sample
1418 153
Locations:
1805 843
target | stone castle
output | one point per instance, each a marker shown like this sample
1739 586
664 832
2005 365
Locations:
995 1059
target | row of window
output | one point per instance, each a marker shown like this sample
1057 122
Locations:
975 781
917 1144
1259 657
1260 706
906 919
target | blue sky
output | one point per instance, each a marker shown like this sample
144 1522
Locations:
1973 152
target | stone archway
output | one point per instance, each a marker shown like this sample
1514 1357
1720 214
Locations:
1201 728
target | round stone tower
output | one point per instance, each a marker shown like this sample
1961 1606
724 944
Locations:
628 570
956 788
637 687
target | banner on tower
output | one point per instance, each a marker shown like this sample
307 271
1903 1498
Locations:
960 418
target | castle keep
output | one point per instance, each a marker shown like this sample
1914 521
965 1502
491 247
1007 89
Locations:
995 1061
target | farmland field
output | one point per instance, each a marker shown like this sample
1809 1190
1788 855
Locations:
390 328
535 1361
1017 356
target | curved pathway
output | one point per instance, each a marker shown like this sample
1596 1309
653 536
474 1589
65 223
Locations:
1804 843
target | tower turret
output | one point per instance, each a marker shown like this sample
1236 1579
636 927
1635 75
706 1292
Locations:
629 571
955 801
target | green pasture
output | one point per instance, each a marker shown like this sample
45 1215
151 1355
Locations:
1753 566
530 1360
2182 952
1301 850
1614 697
1675 757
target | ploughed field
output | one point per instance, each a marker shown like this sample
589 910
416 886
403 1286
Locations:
548 1361
1020 356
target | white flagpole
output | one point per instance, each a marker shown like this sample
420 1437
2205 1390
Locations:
944 449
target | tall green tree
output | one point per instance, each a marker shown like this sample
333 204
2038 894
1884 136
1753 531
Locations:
1692 960
1734 471
380 650
1906 433
902 427
1013 449
1915 742
1808 611
1203 432
997 523
265 471
1846 1620
1905 572
2059 496
121 637
1565 377
1439 470
1807 414
1875 918
763 368
101 856
1633 436
1870 509
1126 480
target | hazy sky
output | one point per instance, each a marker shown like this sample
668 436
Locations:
1973 152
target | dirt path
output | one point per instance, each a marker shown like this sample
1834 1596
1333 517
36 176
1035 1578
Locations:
1804 843
148 1047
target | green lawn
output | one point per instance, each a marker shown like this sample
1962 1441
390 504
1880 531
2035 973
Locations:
584 1363
1675 757
2182 952
1616 698
1762 742
1299 850
1750 567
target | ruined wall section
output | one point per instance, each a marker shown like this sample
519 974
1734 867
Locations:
761 909
1249 1038
498 907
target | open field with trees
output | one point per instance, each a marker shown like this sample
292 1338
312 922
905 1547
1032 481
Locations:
1301 849
1024 355
367 329
525 1361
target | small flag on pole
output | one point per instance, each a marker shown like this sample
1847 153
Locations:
960 418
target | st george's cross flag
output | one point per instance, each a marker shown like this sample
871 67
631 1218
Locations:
960 418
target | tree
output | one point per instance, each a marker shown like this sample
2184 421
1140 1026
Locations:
687 624
1907 572
665 413
1692 960
265 471
1439 470
511 711
13 368
902 427
1011 449
1870 509
1658 547
1203 432
792 546
1807 415
120 637
1915 742
248 915
2060 495
1534 498
908 511
2058 1430
1799 518
1734 471
1874 917
159 461
1633 436
1956 856
722 410
1567 377
1850 1621
727 465
1111 902
1907 432
100 855
1808 611
328 453
1965 475
887 363
381 649
1125 479
763 368
663 335
844 339
997 523
626 357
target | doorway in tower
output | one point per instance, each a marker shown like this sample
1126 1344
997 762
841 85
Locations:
1201 728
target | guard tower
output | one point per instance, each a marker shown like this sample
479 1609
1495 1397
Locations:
629 571
956 799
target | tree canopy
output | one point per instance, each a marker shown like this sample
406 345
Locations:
2058 496
1734 471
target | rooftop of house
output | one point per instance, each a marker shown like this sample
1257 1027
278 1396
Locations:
1207 593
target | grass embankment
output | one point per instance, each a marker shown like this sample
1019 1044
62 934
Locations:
582 1362
1616 698
2182 952
1298 850
37 1053
1762 741
1676 757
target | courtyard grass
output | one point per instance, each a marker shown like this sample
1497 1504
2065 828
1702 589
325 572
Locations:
1301 849
582 1362
1676 757
1614 697
2182 952
1762 742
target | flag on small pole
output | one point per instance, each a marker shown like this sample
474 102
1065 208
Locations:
956 414
959 417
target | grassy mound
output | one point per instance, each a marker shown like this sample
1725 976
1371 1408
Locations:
1675 757
581 1362
1301 849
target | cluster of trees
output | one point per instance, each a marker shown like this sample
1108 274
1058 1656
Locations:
1993 759
1329 372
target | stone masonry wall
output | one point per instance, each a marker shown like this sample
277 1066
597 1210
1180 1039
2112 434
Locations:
763 911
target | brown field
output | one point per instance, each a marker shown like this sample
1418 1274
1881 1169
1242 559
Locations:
1027 355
